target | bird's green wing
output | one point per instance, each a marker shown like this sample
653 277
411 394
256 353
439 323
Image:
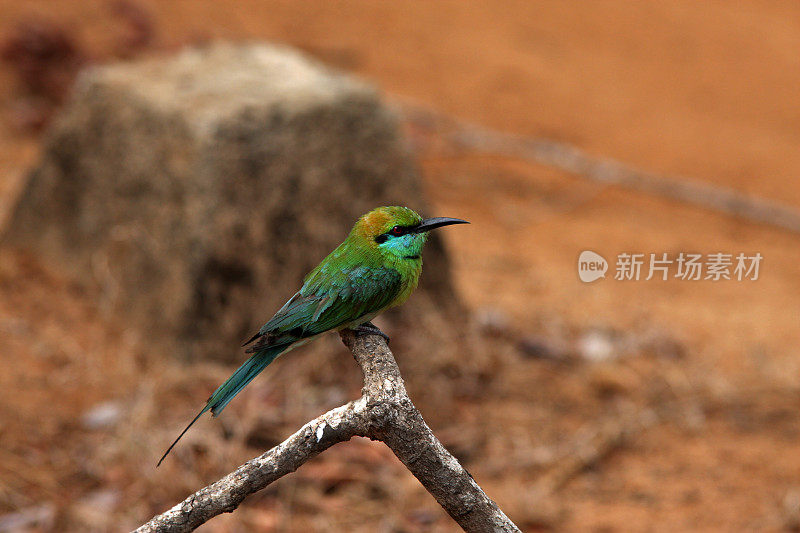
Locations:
331 297
329 300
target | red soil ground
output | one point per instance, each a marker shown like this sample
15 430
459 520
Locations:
703 90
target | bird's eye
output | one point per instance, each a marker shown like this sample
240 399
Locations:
397 231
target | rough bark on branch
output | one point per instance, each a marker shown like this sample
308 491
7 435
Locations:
385 413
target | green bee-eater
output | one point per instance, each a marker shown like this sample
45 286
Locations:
375 268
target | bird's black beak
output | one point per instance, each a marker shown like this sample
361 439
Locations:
437 222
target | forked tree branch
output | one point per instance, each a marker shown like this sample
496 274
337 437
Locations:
385 413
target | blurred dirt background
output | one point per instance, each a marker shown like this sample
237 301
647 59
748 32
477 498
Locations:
612 406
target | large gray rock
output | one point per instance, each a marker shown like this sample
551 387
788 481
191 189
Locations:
196 191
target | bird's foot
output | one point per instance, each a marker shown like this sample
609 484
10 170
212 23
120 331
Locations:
368 328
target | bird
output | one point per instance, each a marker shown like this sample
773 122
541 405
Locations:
376 267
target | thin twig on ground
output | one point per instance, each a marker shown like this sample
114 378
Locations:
464 135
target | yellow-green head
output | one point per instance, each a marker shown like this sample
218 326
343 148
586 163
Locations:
397 234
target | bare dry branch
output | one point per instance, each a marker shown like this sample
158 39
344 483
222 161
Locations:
385 413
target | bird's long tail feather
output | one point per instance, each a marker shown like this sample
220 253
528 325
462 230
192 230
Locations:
233 386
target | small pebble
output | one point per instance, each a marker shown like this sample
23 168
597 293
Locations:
596 346
491 320
102 416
